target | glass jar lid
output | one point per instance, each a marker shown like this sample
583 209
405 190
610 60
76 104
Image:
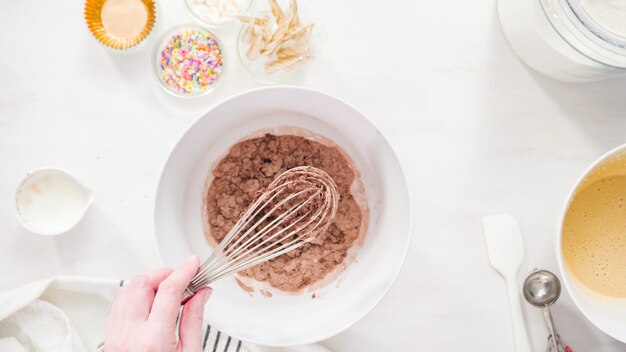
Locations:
591 27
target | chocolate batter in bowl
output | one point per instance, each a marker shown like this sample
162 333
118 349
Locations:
359 272
251 165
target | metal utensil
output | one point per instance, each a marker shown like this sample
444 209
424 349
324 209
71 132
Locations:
541 289
505 247
297 206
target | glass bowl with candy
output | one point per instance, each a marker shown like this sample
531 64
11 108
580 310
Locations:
189 61
279 40
218 13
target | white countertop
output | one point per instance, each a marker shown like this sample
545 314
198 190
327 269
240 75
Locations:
477 132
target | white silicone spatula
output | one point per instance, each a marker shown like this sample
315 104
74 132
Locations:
505 247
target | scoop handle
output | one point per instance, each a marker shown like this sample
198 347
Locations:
550 324
519 326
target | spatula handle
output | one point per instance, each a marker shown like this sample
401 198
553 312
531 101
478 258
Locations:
519 326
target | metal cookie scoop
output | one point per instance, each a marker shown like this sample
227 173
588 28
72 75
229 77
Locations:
541 289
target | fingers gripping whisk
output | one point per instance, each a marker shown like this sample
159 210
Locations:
294 209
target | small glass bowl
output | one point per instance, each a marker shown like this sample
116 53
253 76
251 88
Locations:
256 68
157 61
200 12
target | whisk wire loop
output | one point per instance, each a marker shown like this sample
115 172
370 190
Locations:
293 210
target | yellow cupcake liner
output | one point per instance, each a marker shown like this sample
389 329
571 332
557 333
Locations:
93 10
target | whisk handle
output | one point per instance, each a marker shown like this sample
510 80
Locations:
187 296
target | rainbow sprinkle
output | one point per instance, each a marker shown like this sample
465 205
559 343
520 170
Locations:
190 62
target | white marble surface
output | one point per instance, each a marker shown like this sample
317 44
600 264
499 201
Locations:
477 132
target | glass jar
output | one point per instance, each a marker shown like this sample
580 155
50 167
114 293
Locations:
568 40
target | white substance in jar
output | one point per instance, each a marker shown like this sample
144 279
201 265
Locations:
531 28
610 14
51 201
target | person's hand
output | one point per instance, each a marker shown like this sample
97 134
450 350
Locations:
143 316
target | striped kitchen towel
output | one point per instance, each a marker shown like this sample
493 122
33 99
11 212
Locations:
68 314
217 341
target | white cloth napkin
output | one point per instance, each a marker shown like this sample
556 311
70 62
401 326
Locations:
68 314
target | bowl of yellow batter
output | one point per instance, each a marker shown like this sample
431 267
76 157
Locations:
591 245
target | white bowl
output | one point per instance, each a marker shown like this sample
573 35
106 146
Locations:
51 201
284 320
607 314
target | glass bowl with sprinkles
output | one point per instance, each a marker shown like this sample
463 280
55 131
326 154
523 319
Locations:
189 61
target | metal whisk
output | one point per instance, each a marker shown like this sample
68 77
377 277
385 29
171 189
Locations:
293 210
296 207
